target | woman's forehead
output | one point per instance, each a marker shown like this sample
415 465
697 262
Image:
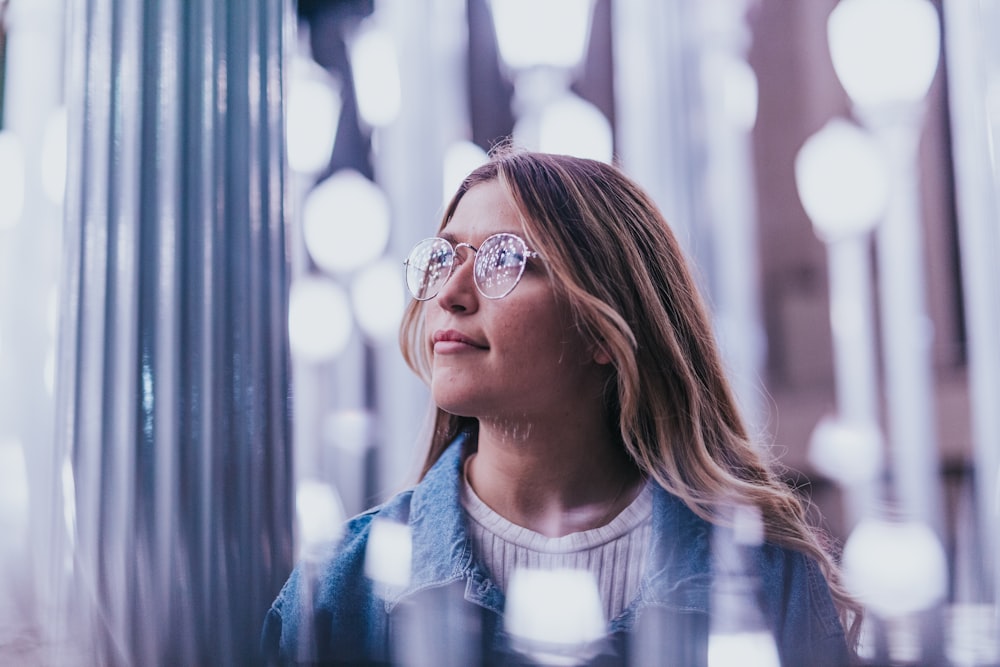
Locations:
485 209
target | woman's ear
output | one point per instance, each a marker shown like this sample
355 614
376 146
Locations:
601 354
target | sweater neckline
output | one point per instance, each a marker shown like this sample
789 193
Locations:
632 516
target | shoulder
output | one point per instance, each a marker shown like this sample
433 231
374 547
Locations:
329 593
335 569
798 600
794 593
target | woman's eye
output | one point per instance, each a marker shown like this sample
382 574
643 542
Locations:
505 258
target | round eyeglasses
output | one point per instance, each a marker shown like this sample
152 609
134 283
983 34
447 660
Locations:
498 266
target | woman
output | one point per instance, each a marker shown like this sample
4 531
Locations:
583 420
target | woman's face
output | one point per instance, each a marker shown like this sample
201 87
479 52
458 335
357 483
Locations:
518 357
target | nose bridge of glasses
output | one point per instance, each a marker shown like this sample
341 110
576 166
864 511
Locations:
459 257
459 252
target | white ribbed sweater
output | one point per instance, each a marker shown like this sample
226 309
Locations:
615 552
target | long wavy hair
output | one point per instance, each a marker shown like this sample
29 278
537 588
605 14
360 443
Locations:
612 257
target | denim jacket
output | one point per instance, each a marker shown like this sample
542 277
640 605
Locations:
451 612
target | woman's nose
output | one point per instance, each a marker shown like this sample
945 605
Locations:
459 294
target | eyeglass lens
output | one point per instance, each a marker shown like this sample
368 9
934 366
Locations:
498 266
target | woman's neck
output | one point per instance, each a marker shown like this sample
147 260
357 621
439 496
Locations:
554 481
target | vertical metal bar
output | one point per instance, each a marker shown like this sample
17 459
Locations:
654 55
174 391
974 64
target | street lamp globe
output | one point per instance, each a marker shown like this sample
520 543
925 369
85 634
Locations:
542 32
885 52
841 180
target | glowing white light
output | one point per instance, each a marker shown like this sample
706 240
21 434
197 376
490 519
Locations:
54 147
378 298
542 32
345 222
748 525
389 554
375 67
13 493
11 179
849 453
842 180
568 125
884 51
992 103
314 105
52 310
740 93
970 635
49 371
69 502
460 158
320 515
574 126
895 568
747 649
349 430
319 319
560 609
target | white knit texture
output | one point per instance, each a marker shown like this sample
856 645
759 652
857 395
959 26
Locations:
615 553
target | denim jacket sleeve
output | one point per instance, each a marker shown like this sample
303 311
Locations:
326 613
804 618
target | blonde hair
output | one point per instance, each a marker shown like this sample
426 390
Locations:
611 255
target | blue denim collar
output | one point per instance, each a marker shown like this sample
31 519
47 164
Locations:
678 575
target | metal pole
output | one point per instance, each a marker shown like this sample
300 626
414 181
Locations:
976 146
173 376
907 330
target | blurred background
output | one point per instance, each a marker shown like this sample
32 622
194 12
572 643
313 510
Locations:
204 208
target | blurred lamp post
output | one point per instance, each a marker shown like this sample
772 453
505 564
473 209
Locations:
543 43
842 185
728 109
974 105
897 569
313 116
885 53
533 33
375 67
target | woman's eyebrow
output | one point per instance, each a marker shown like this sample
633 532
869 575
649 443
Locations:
448 236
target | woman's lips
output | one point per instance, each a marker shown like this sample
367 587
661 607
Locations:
450 341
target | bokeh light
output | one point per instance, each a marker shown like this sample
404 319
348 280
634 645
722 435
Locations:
319 319
389 555
314 105
54 147
740 94
849 453
378 298
320 515
460 158
541 32
559 609
13 494
376 75
895 568
884 51
747 649
12 179
842 180
568 125
345 222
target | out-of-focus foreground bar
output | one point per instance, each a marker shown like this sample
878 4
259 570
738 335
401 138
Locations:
173 376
